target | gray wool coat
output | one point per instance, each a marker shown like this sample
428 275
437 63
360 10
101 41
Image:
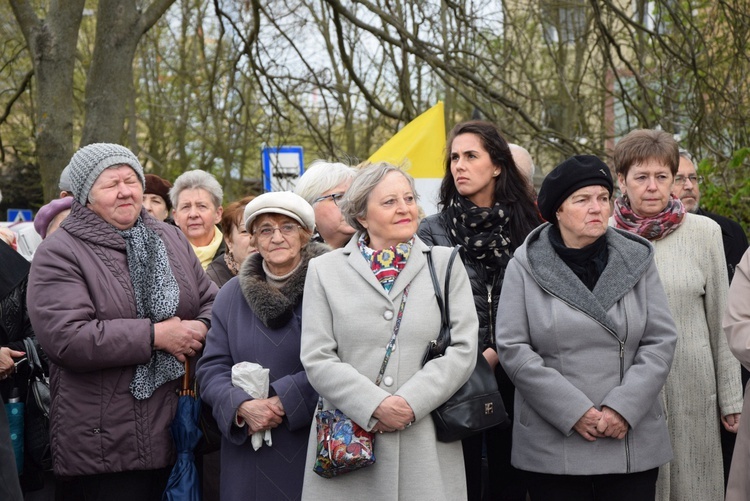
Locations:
347 320
568 349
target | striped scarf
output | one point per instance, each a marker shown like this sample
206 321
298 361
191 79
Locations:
385 263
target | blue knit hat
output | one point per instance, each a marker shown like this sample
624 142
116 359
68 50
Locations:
90 161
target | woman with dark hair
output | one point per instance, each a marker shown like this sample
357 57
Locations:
227 265
487 207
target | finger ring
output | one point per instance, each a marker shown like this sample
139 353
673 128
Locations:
381 432
410 422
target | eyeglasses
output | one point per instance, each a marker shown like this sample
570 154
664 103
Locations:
336 197
678 179
286 229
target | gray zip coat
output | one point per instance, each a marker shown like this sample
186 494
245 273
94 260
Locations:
568 349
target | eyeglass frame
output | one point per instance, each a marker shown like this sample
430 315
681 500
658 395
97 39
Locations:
680 179
333 196
291 226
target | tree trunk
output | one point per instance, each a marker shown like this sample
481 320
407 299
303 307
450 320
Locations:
52 43
119 27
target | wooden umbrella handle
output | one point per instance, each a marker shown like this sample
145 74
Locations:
186 377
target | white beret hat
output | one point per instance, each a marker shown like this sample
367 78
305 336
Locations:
280 202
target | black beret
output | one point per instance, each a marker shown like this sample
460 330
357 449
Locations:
573 174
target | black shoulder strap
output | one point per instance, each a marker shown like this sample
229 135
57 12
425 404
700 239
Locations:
442 298
451 260
436 285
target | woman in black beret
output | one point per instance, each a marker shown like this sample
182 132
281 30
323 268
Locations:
585 334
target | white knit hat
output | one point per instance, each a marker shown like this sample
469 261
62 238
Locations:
280 202
90 161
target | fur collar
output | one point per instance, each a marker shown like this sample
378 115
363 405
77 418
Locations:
275 307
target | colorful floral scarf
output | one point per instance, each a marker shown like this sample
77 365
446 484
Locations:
650 228
385 263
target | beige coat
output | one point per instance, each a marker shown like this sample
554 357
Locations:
737 329
705 379
347 320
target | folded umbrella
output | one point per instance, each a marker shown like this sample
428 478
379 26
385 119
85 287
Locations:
183 483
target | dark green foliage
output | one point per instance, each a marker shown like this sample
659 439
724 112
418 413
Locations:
726 189
21 184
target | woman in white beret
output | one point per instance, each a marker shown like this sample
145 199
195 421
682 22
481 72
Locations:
256 318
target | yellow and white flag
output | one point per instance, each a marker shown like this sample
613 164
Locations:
420 146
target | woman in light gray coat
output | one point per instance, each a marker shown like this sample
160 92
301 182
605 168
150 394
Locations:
588 340
350 307
736 325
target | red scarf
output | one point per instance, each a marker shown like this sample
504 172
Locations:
650 228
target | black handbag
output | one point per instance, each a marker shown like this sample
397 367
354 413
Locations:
36 416
477 405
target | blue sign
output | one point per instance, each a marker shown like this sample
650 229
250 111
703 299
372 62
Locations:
20 215
282 167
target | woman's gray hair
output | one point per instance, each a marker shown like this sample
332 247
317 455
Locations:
354 204
195 179
321 176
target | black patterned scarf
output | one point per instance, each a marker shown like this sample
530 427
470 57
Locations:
481 231
157 295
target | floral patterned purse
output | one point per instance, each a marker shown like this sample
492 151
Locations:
343 445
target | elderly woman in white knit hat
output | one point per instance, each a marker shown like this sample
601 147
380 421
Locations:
257 319
119 303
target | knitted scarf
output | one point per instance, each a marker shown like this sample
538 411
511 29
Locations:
650 228
588 262
156 298
385 263
481 231
234 266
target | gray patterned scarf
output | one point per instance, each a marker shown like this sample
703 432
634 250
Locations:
156 298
